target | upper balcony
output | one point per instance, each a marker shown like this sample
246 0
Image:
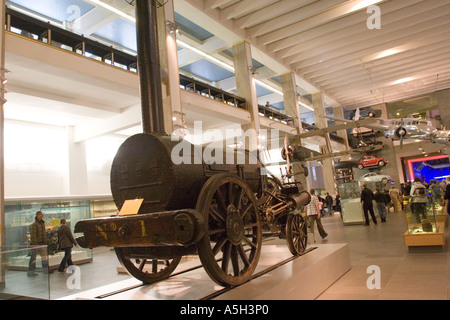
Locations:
97 87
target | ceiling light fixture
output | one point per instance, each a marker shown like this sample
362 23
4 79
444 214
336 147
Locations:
305 105
113 9
387 53
264 85
363 4
207 56
403 80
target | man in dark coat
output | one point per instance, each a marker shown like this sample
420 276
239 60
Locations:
38 238
66 242
380 204
329 202
367 198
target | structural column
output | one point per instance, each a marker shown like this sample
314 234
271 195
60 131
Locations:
2 154
246 88
170 76
327 164
77 171
292 108
290 99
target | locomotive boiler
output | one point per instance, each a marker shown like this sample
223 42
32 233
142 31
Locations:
219 211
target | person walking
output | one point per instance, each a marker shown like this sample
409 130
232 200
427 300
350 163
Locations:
367 203
394 193
387 200
313 213
380 204
66 243
329 202
38 237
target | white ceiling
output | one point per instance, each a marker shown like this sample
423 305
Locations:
328 43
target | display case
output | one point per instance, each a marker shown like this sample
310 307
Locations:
424 229
20 214
103 208
16 285
439 207
351 209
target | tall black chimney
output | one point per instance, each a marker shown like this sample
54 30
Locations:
149 67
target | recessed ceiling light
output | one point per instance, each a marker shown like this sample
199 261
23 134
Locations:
403 80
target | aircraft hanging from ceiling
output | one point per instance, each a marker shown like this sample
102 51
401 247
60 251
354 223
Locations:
403 128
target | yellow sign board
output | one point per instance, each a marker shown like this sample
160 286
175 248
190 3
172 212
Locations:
131 207
55 222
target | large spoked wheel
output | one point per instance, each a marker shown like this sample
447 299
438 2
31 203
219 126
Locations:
296 234
147 270
230 249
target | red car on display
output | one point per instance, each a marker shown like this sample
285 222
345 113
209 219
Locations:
371 161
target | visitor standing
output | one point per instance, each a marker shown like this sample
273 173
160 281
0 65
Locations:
394 193
419 200
367 204
329 202
380 204
38 238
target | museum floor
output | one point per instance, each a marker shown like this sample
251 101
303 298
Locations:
419 274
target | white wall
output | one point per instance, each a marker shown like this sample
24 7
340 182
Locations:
100 153
36 161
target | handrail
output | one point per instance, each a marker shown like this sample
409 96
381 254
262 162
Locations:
59 37
206 90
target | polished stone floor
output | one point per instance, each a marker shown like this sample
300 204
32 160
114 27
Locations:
419 274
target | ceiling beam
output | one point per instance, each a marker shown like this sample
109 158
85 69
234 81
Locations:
245 7
358 19
412 49
377 44
421 38
311 21
270 12
392 23
389 69
289 18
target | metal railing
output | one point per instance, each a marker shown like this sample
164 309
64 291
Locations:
206 90
48 33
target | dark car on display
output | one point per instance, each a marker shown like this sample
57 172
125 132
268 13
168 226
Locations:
371 161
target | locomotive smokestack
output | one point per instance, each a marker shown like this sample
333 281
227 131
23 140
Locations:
149 67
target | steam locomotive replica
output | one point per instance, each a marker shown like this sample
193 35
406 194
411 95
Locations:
219 211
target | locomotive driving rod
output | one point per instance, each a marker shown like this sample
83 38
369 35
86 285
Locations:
169 228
